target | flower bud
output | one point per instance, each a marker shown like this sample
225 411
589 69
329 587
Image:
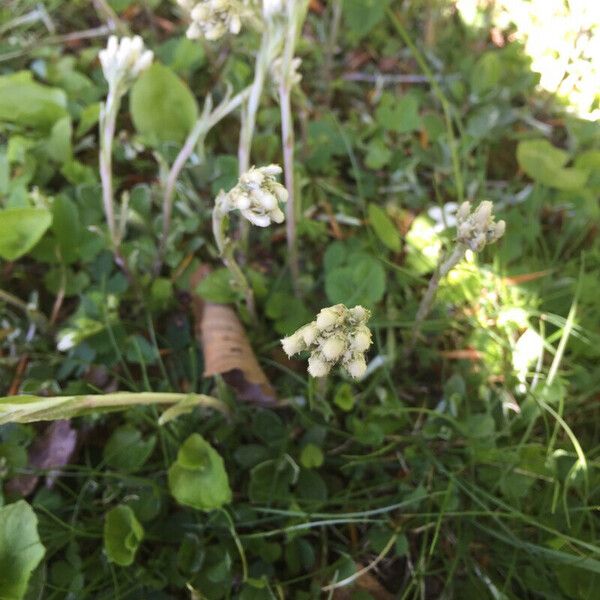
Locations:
482 215
359 313
338 334
317 367
361 340
272 8
309 333
463 211
293 344
499 230
333 348
257 194
123 60
356 366
327 318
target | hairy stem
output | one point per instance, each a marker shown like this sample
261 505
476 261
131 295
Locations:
427 301
286 82
108 120
195 138
226 252
249 112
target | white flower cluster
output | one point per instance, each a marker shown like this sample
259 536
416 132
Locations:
272 8
123 60
295 77
212 19
476 228
338 334
257 196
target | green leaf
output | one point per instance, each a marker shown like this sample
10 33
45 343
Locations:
66 227
486 73
58 145
30 104
384 228
123 534
162 106
311 456
198 477
270 481
361 282
161 293
216 287
21 229
398 114
361 16
20 549
344 397
88 118
378 154
126 450
546 164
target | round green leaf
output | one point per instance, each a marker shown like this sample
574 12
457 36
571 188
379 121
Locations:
311 456
126 450
198 477
162 106
20 549
546 164
384 228
21 229
122 535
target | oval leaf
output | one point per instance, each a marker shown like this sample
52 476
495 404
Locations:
21 229
384 228
198 477
546 164
20 549
162 107
122 535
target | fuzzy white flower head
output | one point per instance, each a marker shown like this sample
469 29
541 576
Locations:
212 19
337 335
123 60
257 196
477 228
293 73
272 8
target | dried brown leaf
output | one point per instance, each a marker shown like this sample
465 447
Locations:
227 351
51 451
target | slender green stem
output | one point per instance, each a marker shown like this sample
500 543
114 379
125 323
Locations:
35 315
226 251
295 16
108 120
266 52
195 139
427 301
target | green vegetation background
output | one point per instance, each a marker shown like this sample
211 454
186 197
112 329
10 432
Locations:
469 470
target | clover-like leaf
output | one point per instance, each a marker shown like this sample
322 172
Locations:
123 534
198 477
20 549
20 230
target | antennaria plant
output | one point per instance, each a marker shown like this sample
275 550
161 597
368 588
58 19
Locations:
475 230
257 196
286 75
122 62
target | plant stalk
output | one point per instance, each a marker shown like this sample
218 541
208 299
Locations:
427 301
195 138
107 133
226 251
